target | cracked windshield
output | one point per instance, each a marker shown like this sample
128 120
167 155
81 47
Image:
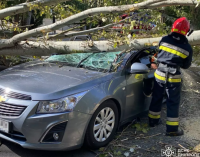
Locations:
100 61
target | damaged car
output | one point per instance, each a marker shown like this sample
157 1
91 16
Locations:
69 100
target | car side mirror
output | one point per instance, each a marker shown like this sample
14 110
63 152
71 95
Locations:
138 68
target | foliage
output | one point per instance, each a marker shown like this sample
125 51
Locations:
141 127
192 14
196 54
17 23
160 19
184 11
66 9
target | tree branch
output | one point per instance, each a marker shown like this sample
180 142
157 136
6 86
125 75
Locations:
58 36
24 7
66 47
77 17
62 34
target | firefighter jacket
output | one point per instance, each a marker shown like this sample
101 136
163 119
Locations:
175 50
174 53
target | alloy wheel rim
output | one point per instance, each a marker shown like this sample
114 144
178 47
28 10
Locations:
104 124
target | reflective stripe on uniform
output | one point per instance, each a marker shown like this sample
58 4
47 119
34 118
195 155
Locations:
174 50
164 79
172 119
172 123
154 116
154 113
169 76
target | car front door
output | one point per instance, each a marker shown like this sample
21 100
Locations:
135 98
134 94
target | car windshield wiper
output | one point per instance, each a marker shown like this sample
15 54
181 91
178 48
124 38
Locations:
96 69
78 65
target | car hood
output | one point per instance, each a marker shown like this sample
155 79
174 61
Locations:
47 81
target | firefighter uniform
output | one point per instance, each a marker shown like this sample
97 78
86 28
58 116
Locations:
174 53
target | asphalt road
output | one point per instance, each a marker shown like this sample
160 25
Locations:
12 150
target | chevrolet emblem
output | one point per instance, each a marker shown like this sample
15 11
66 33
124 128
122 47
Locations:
2 98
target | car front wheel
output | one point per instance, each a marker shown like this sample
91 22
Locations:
102 126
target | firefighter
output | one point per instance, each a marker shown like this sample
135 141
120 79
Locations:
174 53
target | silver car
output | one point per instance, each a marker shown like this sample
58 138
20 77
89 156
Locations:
69 100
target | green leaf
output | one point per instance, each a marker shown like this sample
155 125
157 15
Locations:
144 130
101 149
7 18
118 153
102 155
133 35
115 45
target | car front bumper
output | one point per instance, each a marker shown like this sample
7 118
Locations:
30 128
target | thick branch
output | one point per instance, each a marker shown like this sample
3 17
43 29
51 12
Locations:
24 7
65 47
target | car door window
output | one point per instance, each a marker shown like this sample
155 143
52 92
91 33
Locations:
135 98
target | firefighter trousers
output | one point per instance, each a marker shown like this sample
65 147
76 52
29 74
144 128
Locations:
173 99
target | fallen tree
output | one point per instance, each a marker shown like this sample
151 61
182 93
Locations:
20 44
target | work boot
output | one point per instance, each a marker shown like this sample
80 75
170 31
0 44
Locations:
154 122
176 133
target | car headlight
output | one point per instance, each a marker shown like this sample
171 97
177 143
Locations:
66 104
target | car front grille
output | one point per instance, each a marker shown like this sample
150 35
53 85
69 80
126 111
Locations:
15 95
10 110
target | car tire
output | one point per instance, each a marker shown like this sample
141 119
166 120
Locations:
102 126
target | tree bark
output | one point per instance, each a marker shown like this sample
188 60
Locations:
66 47
14 45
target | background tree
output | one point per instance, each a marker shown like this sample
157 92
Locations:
38 41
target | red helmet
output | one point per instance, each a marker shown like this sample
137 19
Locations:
181 26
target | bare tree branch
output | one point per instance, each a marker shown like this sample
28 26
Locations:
62 35
24 7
